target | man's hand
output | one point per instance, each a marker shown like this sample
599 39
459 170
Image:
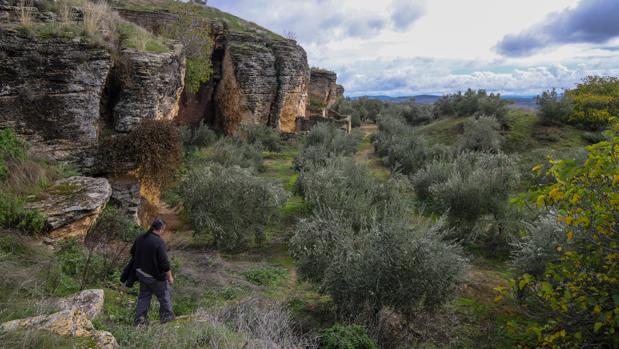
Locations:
169 277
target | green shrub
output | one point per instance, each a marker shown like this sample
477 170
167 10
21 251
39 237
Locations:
542 244
553 108
417 114
481 134
472 103
594 137
231 203
402 148
11 148
193 32
340 336
323 142
348 187
230 152
468 187
263 136
13 215
107 245
268 276
197 137
71 258
393 264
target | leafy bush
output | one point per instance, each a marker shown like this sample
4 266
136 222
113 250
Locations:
13 215
553 108
191 30
348 187
402 148
230 152
472 103
231 203
595 102
582 284
384 264
11 148
468 187
262 136
594 137
107 245
323 142
340 336
155 147
197 137
481 134
417 114
268 276
544 240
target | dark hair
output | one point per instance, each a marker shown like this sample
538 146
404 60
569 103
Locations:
157 224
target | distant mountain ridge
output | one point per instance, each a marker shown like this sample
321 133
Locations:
527 102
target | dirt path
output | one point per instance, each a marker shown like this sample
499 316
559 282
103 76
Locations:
366 152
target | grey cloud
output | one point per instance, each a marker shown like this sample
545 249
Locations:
406 12
321 21
591 21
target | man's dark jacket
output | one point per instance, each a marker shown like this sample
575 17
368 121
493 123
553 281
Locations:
149 255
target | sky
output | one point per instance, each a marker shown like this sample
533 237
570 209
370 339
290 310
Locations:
414 47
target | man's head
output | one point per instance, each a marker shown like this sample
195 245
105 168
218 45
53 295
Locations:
158 226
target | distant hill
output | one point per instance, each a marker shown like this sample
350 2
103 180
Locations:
520 102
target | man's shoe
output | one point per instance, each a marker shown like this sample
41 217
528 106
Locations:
141 321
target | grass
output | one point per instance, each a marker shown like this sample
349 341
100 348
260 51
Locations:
231 22
100 27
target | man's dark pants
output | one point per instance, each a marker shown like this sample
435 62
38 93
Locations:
161 289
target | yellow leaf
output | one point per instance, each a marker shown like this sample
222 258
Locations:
570 235
537 168
540 201
597 326
597 309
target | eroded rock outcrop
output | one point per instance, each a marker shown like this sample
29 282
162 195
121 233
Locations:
150 86
324 92
259 77
73 319
72 205
50 92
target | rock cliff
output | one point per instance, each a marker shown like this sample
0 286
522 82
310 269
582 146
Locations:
150 85
324 92
259 77
51 90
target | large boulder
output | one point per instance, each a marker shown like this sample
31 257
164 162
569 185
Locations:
89 302
72 205
51 91
73 320
150 86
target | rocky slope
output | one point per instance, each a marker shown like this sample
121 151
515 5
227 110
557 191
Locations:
324 92
63 93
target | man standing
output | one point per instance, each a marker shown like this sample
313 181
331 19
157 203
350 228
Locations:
152 268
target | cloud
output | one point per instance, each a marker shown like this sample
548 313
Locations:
437 76
591 21
406 12
323 21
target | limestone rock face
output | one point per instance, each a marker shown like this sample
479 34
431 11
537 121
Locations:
72 205
50 92
74 320
259 77
262 83
324 92
150 87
